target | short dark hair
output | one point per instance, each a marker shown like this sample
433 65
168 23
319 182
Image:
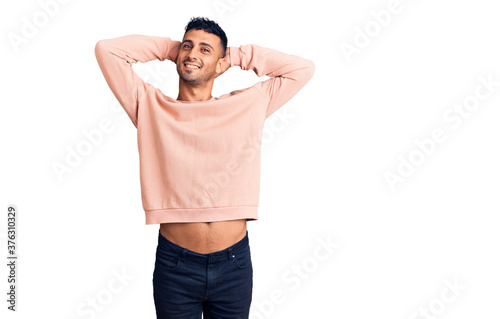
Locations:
207 25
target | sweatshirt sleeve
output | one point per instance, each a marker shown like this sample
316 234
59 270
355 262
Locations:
289 73
116 57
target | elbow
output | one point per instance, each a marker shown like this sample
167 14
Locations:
98 48
101 46
309 69
101 50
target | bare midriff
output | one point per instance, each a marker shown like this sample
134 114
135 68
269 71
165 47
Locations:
205 238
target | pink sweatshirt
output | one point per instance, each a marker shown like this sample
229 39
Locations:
199 161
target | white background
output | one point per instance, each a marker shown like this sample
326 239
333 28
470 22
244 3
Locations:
323 172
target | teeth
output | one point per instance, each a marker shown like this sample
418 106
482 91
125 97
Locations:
192 66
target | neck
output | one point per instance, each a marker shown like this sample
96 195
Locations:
191 92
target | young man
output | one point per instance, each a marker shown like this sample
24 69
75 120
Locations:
200 160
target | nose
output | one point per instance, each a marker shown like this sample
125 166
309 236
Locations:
192 55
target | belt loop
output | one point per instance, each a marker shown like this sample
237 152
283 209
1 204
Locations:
230 253
183 254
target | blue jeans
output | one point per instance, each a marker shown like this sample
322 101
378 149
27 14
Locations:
187 284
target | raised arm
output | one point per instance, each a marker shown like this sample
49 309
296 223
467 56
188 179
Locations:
115 58
289 72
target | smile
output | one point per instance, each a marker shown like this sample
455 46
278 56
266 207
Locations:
191 66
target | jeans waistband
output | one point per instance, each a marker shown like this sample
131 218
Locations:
184 253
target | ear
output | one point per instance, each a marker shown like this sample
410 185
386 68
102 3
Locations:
218 67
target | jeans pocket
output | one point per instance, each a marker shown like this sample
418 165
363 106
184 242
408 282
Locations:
167 261
243 259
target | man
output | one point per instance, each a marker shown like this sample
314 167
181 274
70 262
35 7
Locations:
200 160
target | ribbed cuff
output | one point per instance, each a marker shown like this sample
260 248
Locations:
234 55
173 50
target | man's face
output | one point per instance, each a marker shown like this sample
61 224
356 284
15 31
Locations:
199 57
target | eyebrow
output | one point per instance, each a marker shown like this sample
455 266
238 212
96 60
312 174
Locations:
202 43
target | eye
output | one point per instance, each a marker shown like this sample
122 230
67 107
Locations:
187 46
205 50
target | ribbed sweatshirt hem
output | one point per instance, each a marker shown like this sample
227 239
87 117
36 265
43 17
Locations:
210 214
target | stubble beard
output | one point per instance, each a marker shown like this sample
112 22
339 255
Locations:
192 79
